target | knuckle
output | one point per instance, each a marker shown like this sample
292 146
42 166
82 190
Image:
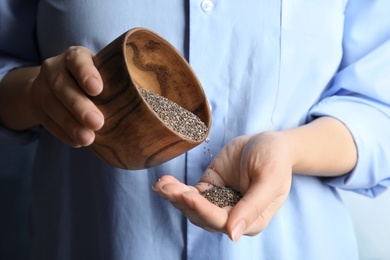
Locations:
57 82
79 58
47 64
72 52
77 105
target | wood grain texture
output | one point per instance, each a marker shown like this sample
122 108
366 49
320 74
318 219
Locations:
133 137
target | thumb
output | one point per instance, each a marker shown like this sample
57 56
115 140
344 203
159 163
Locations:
254 211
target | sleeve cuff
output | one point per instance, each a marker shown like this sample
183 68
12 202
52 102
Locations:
371 175
8 64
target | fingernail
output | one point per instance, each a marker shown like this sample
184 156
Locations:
164 190
154 188
238 230
94 120
169 195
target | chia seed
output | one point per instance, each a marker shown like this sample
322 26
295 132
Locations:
177 118
222 196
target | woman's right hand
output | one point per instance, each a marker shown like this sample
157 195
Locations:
59 98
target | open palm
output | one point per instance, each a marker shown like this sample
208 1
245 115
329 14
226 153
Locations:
258 166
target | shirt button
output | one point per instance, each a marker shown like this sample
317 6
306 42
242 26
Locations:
207 6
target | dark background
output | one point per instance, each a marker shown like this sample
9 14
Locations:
15 178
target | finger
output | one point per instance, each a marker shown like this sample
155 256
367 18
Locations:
64 126
210 176
162 181
198 210
79 62
67 91
201 212
167 179
52 114
59 132
263 220
173 191
194 206
167 186
254 211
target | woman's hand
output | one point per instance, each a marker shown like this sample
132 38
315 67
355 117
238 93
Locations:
261 168
59 97
55 95
258 166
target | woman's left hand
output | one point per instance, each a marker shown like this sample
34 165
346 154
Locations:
258 166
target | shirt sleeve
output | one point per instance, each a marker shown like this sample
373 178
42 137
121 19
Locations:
359 95
18 48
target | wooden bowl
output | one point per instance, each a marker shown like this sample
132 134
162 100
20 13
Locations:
133 136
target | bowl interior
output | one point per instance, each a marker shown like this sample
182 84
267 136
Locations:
155 65
133 136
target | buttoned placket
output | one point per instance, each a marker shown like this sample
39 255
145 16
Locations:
202 18
207 6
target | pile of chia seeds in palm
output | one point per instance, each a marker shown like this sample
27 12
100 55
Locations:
176 117
222 196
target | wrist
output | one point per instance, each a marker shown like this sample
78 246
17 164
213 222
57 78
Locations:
280 147
15 99
323 147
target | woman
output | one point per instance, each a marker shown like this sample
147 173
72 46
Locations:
300 106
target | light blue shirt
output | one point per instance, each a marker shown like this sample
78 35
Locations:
264 65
